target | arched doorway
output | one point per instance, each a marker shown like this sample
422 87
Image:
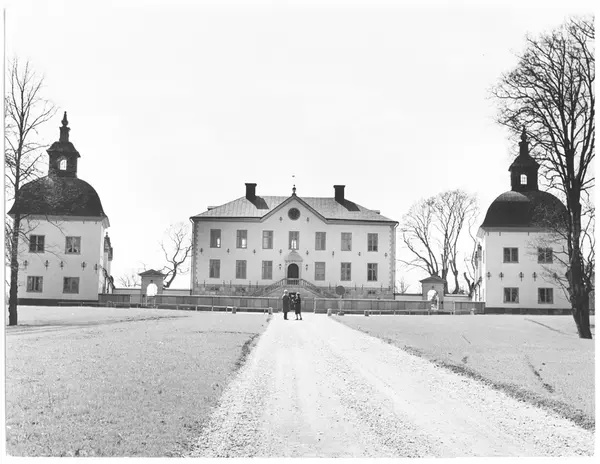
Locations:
434 299
293 272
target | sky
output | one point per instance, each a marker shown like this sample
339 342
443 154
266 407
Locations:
173 106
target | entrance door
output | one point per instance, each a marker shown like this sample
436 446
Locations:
293 272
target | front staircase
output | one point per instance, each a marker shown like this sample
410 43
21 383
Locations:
301 286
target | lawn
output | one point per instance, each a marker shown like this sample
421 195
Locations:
538 359
118 382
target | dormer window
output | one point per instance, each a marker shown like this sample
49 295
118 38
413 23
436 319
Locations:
62 164
523 179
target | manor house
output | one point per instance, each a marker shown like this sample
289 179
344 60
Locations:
256 245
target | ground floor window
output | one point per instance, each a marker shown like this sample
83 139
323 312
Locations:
35 284
240 269
372 272
71 285
346 271
319 271
214 271
267 270
545 295
511 295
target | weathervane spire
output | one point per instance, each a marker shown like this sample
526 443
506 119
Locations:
523 144
64 130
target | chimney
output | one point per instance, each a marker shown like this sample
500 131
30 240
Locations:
339 193
251 192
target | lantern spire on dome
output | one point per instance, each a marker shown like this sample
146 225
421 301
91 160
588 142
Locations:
64 130
524 144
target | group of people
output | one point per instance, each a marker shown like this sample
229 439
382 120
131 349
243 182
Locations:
291 302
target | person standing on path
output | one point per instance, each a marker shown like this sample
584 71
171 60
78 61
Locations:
297 303
286 304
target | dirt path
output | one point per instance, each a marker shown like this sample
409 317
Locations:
317 388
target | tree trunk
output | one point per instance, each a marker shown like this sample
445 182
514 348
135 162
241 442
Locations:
456 284
14 272
579 298
577 291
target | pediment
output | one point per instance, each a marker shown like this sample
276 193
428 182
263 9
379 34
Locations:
293 257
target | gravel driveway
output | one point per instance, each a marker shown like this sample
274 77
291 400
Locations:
316 388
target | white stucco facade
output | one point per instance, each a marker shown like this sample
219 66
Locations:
359 259
55 263
497 275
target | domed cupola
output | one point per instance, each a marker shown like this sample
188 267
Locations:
524 169
524 205
61 192
63 156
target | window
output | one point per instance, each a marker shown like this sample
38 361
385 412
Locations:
545 296
242 239
511 255
372 272
372 242
35 284
240 269
73 245
320 241
294 240
214 269
267 270
545 255
62 164
267 240
319 271
346 271
511 295
36 243
523 179
215 238
294 214
346 241
71 285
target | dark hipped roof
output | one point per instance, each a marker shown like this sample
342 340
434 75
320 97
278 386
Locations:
58 196
329 208
524 209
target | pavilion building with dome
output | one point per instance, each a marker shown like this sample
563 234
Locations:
520 257
65 253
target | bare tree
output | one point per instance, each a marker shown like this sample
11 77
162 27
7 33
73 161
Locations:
25 112
402 286
454 208
471 261
431 232
131 279
176 248
551 94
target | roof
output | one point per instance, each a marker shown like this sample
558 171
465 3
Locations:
58 196
328 208
432 279
151 272
523 161
525 209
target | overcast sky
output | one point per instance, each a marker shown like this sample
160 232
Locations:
173 106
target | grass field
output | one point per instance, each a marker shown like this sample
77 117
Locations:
118 382
538 359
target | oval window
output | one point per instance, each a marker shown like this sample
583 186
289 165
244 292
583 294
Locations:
293 214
